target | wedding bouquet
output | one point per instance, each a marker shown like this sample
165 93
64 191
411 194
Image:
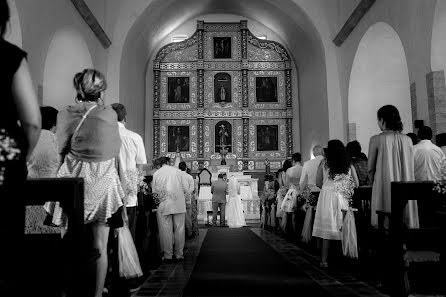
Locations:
135 182
310 202
8 152
345 187
440 185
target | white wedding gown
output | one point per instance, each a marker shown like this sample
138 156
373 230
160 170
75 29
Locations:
234 207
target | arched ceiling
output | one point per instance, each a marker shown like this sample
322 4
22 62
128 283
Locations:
284 17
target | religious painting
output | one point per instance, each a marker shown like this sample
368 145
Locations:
266 89
178 90
223 136
222 88
178 138
222 47
267 137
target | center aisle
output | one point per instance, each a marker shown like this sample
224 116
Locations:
236 262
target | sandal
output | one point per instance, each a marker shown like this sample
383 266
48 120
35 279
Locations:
323 265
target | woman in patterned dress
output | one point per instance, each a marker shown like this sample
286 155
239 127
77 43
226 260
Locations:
89 142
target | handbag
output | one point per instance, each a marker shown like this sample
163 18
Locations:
129 266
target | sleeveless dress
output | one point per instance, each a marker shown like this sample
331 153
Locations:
394 162
328 217
234 209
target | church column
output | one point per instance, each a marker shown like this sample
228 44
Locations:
245 143
289 120
289 94
200 144
200 103
156 138
436 96
244 28
245 88
289 136
156 89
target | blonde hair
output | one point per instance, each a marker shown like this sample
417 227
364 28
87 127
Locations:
89 84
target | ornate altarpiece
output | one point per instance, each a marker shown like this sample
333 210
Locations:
228 87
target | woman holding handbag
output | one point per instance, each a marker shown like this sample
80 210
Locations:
89 142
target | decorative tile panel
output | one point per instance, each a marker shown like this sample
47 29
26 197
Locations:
281 153
188 54
280 90
235 45
192 90
193 139
260 54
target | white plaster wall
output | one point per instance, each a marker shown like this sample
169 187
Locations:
379 77
40 20
59 70
412 21
438 49
14 31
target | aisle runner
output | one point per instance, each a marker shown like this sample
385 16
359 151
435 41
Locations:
236 262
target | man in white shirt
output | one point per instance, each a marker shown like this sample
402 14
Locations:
189 181
132 156
170 187
427 157
309 170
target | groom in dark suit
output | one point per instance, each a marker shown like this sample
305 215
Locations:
219 189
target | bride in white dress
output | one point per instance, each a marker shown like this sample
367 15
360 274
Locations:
234 207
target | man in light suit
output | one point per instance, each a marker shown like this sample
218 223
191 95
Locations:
219 189
171 188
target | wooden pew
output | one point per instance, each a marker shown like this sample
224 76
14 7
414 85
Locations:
52 262
409 246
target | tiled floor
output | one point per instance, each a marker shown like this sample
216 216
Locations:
170 279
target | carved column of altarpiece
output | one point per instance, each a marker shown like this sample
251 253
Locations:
223 87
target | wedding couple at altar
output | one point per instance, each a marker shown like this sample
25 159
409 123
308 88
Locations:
226 197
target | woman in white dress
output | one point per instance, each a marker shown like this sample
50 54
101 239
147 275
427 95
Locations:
234 208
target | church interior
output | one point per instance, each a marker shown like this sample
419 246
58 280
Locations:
237 87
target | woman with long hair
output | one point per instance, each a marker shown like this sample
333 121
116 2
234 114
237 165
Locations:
89 143
234 207
391 158
328 218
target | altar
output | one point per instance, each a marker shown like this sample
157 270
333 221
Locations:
248 194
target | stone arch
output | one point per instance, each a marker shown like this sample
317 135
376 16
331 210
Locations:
59 70
223 129
379 76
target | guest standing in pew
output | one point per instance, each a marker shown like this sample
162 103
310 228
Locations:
132 157
427 157
89 142
168 185
328 218
359 161
293 175
19 130
391 158
440 140
194 211
309 170
188 180
44 163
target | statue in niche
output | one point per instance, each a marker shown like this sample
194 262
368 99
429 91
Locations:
222 88
223 136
